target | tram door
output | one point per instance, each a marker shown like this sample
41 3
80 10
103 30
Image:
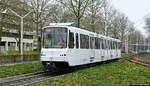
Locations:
92 48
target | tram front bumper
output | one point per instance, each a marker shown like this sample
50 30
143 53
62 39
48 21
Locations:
52 58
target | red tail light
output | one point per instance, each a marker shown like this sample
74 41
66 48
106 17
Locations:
43 54
64 54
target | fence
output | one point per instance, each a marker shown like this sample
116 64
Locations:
136 47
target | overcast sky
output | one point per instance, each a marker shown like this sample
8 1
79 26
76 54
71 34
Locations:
136 10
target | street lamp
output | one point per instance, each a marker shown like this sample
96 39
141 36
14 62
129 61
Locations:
21 17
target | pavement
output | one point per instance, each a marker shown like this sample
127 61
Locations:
12 64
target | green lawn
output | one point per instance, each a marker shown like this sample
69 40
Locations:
7 71
112 74
125 54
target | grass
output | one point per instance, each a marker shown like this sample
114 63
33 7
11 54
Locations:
8 71
25 52
149 54
17 62
125 54
112 74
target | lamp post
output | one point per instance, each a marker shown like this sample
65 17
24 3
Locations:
21 17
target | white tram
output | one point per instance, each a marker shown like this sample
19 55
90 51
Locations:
66 46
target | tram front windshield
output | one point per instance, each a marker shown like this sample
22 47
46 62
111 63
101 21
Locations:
55 37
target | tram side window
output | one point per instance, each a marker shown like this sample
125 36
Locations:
84 41
106 44
92 43
77 40
97 43
71 40
111 45
87 42
115 45
120 44
103 44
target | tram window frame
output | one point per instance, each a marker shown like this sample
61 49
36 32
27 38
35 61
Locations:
77 40
71 40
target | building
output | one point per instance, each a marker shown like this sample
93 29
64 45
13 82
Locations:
10 41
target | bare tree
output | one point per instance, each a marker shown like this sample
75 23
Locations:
123 23
93 10
40 13
136 36
108 15
77 7
147 23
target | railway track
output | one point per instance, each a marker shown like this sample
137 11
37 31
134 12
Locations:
137 59
29 79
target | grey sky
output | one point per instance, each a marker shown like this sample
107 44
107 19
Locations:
136 10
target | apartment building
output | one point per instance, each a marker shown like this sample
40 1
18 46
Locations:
10 41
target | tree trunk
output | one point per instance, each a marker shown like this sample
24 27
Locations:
1 26
19 39
37 36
